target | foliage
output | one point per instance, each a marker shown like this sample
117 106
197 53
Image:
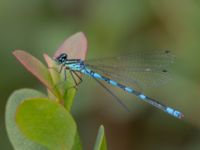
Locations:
101 140
38 121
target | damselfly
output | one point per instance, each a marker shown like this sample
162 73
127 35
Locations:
148 68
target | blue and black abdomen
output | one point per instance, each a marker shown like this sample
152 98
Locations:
140 95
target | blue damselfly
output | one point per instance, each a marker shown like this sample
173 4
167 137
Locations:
144 69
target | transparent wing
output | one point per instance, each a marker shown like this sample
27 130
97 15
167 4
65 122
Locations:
140 68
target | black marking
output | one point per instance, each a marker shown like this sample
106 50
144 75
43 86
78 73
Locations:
92 72
106 79
61 58
167 51
121 86
156 103
164 70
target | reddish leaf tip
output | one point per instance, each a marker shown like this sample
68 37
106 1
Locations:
45 55
17 51
47 59
75 46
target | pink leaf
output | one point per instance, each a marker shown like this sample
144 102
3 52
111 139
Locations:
34 66
75 46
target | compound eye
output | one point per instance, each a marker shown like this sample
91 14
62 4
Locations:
63 56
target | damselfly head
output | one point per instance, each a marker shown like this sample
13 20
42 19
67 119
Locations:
61 58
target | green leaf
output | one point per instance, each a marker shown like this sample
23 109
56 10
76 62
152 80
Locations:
66 91
69 98
101 140
47 123
18 140
77 143
38 69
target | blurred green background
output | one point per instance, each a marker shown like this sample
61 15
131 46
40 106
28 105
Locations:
112 27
